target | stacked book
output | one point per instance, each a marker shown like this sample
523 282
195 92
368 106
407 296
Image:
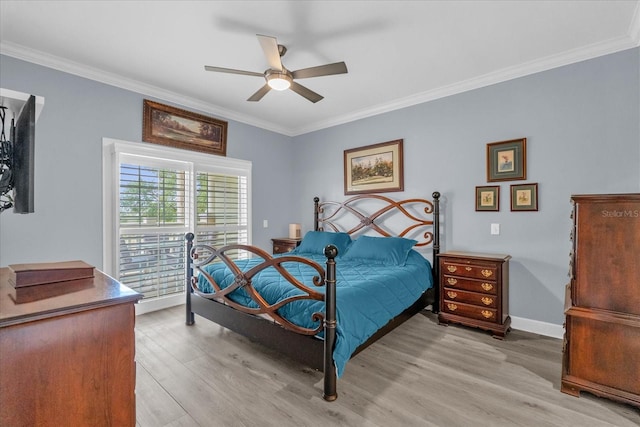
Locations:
21 275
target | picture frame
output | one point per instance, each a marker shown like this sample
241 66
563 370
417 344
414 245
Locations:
178 128
376 168
507 160
524 197
488 198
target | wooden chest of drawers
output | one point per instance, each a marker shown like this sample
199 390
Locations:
601 351
283 245
67 353
474 291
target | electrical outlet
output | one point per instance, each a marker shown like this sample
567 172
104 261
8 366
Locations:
495 229
265 223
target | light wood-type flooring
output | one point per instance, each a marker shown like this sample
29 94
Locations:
421 374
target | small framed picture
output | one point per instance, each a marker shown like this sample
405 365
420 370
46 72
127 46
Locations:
507 160
524 197
488 198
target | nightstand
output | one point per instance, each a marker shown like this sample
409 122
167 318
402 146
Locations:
474 291
283 245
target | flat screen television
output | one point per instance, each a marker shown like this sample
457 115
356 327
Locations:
23 140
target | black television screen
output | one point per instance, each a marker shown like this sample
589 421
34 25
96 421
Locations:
23 140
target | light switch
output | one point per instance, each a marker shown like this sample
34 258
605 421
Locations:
495 229
265 223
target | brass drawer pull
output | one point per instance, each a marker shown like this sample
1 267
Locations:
452 307
452 295
486 300
452 281
468 268
487 273
452 268
486 286
487 314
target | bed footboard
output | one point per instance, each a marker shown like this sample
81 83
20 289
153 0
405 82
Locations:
213 305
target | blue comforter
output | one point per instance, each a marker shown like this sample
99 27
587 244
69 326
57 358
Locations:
368 294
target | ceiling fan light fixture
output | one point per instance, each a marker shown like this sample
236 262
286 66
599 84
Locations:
277 77
279 81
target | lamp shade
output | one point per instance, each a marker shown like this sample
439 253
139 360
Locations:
294 231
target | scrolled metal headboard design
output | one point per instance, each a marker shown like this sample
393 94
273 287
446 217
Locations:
367 221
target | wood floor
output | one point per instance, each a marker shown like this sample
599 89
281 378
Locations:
421 374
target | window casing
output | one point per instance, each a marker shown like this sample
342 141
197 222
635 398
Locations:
153 196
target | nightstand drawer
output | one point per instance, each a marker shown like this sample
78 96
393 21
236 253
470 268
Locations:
468 270
284 245
473 285
484 300
470 311
281 249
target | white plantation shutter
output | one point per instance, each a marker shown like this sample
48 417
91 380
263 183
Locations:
159 194
154 210
222 210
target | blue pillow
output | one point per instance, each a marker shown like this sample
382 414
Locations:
314 242
385 250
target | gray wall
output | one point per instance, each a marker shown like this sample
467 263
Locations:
582 128
78 113
581 123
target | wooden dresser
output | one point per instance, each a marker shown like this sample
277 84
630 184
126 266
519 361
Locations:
602 307
474 291
67 353
283 245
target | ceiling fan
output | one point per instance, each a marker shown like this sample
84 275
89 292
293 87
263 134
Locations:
278 77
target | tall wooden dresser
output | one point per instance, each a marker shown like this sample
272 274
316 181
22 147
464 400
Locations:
67 353
601 351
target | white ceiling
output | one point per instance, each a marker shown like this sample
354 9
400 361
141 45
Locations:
398 53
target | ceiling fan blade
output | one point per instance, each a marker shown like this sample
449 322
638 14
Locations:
232 71
321 70
307 93
260 93
270 48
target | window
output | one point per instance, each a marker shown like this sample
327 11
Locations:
153 219
222 210
153 196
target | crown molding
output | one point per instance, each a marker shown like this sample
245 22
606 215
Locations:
64 65
554 61
506 74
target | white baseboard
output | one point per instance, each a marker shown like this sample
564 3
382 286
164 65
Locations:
537 327
520 323
156 304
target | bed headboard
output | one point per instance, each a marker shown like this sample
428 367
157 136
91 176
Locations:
419 219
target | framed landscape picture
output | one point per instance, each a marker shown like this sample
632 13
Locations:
524 197
507 160
374 168
166 125
488 198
